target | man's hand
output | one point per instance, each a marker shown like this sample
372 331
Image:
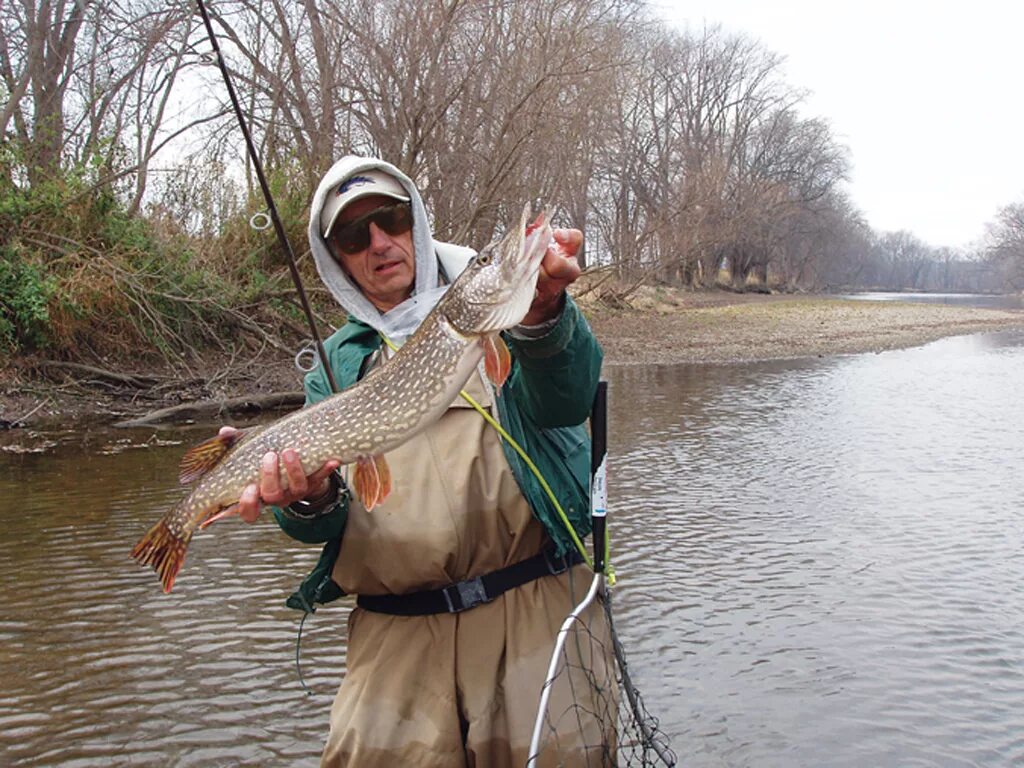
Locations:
269 490
558 269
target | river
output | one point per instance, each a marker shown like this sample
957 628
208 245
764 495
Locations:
819 564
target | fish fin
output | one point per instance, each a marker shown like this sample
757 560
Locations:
201 458
162 550
372 480
226 512
497 358
384 473
365 482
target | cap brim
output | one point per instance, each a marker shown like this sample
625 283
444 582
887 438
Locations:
359 195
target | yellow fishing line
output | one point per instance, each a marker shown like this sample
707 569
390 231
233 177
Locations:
533 468
609 571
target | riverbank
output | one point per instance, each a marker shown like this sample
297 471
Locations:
719 327
658 327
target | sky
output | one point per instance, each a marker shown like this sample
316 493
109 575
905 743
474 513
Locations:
927 96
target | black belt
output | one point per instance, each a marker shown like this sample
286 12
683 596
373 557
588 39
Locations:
464 595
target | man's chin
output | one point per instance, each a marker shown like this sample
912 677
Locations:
397 282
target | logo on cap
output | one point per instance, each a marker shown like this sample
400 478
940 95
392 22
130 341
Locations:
355 181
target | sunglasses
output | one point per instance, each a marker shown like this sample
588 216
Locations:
354 237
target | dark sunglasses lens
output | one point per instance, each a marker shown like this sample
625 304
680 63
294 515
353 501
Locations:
393 219
353 238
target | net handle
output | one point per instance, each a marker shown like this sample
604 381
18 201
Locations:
598 474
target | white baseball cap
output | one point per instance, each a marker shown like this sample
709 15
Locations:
361 184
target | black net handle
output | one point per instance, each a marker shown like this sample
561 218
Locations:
598 479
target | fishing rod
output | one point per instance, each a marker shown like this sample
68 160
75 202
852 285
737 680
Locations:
268 197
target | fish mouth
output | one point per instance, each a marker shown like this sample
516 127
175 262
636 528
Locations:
523 255
526 264
536 232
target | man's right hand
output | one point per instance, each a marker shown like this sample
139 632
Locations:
299 486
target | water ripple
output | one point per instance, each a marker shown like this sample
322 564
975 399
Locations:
819 566
833 548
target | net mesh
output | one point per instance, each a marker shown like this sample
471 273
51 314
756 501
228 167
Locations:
595 716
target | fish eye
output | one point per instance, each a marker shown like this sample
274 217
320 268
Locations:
484 258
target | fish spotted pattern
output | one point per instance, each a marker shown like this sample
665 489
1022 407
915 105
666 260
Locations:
389 406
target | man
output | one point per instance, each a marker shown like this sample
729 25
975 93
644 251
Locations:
434 676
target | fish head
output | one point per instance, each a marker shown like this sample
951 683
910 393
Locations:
497 288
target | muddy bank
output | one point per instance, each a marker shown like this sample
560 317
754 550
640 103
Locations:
660 327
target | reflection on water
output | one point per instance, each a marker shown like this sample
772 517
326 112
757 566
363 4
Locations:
819 562
99 665
985 301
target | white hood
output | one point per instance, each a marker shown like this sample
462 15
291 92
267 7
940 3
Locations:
401 321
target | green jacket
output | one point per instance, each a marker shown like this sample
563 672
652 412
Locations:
543 405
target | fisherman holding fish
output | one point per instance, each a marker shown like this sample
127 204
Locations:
462 568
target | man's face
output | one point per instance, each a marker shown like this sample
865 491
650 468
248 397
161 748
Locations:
385 269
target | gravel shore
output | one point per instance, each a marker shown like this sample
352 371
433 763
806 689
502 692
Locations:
716 328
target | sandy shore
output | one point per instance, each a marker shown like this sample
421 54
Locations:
662 327
712 328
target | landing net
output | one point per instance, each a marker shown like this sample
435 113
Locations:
591 713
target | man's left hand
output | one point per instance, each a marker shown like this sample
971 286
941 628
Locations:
558 269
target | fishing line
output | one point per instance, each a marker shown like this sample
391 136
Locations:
531 466
298 665
268 197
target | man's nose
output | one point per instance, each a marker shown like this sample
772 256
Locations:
379 239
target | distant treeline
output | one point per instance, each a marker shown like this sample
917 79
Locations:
685 156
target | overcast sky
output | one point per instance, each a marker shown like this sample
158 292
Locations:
929 98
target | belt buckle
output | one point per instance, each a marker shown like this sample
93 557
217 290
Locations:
555 566
471 593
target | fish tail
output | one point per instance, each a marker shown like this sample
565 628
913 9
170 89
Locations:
164 551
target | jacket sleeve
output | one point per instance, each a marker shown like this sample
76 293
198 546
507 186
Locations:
556 374
329 525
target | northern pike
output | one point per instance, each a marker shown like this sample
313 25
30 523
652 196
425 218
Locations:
386 408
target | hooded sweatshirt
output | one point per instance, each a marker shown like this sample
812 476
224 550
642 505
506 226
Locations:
400 322
542 405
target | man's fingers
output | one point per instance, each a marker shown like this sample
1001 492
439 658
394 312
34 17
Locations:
556 272
321 474
249 504
570 240
317 484
271 490
270 480
560 265
297 483
563 268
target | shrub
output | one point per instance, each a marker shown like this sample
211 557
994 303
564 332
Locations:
24 296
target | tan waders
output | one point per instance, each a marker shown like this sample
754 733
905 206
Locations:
454 689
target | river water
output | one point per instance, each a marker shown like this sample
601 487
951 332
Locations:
819 561
985 301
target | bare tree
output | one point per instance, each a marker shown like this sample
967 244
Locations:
88 81
1006 244
37 61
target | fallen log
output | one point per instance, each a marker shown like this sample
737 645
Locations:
209 409
137 380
